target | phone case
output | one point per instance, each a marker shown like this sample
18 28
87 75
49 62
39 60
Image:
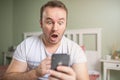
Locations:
59 59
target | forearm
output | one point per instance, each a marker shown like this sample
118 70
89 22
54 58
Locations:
30 75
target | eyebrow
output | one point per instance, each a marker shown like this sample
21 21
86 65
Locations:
48 18
52 19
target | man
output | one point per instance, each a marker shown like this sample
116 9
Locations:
32 61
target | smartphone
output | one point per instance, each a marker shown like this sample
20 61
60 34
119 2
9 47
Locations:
59 59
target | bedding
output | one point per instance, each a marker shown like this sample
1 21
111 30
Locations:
93 74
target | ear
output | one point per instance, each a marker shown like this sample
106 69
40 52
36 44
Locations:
40 23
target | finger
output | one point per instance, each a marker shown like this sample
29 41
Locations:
48 66
44 66
55 74
67 70
60 75
46 61
48 58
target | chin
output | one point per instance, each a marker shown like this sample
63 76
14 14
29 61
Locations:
54 42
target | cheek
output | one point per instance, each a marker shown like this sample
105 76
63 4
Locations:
63 29
45 27
46 30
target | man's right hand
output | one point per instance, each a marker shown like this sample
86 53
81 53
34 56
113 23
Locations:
44 67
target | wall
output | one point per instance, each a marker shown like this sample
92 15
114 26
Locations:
6 26
26 17
82 14
97 13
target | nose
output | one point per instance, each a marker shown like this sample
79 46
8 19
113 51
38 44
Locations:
55 27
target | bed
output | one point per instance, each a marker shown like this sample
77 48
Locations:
83 38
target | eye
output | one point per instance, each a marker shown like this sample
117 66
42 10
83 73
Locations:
49 22
60 22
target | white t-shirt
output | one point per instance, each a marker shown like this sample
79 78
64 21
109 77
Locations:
32 50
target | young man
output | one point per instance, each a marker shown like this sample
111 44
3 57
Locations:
32 61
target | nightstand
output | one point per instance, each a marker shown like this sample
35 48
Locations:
109 65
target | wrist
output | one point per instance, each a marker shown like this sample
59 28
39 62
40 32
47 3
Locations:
35 74
38 72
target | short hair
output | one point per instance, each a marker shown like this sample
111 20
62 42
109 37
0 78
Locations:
53 3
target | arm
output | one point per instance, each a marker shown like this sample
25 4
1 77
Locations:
81 71
18 71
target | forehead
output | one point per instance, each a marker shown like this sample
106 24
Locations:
54 13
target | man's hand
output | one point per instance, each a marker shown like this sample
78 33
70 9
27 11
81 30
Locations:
44 67
62 73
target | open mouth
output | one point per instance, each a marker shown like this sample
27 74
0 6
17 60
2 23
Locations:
54 36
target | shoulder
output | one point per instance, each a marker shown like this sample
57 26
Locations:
33 38
30 41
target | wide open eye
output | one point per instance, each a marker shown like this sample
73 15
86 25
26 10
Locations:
60 22
49 22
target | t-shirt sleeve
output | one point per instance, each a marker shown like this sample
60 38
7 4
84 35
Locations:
20 52
78 55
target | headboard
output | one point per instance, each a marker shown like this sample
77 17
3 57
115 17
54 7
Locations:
80 36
